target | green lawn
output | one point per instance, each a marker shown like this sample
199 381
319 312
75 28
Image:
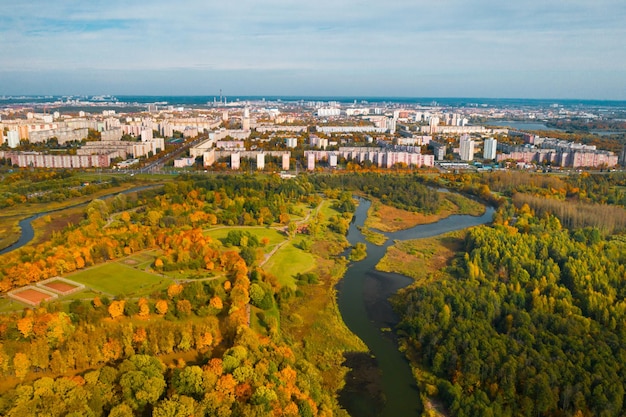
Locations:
260 232
115 278
301 208
327 210
8 305
82 295
262 326
288 261
141 260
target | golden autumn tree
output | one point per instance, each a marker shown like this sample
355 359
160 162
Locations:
21 365
216 303
116 308
112 350
25 326
144 307
183 307
174 290
161 307
204 341
158 263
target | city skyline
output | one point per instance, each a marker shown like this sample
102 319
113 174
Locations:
571 49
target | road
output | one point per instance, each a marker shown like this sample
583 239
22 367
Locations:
159 163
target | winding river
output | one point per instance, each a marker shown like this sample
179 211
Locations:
363 296
27 233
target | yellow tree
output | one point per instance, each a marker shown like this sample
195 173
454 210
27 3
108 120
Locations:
112 350
174 290
144 307
116 308
25 326
161 307
21 365
216 303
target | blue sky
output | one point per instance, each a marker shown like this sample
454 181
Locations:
444 48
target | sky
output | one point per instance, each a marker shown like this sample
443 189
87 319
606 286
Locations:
394 48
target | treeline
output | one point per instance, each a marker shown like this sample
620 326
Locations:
169 219
531 322
574 215
605 188
578 200
44 186
402 191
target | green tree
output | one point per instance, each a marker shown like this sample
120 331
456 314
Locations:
142 380
188 381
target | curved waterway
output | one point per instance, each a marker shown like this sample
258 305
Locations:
27 233
362 297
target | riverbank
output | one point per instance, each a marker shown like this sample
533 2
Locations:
386 218
363 296
422 259
22 225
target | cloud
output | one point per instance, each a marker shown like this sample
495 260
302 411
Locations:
398 39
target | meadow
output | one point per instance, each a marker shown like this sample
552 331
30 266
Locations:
117 278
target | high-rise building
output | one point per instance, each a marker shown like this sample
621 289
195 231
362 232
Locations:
391 125
260 160
332 160
439 149
13 138
433 123
489 149
235 160
466 148
146 135
245 121
286 161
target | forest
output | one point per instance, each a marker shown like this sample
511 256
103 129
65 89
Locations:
529 318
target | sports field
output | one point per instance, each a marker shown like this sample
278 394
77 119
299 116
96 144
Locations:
60 286
31 295
116 278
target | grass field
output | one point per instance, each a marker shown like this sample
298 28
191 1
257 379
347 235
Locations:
261 321
327 210
115 278
8 305
300 208
260 232
422 259
288 261
9 231
141 260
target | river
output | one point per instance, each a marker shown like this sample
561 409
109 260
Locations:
27 233
362 298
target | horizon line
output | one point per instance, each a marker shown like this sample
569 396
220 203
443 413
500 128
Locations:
309 96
